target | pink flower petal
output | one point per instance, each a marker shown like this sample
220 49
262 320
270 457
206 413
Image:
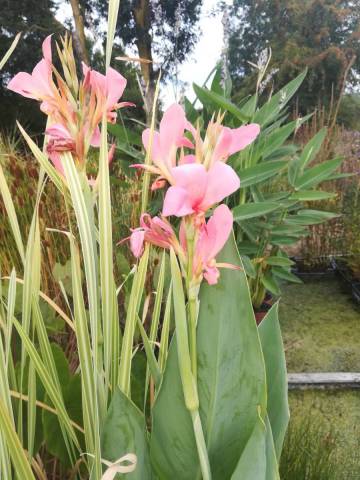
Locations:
22 83
211 275
222 148
137 242
193 178
56 160
177 202
243 136
172 128
215 233
155 147
186 159
222 182
46 49
115 86
95 139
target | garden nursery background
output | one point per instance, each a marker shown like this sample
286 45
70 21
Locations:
290 67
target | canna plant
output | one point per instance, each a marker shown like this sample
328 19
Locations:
214 397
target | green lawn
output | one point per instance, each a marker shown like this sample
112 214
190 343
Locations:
321 331
321 328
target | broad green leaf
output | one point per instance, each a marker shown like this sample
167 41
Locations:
276 377
251 210
284 240
279 261
311 195
286 275
272 466
317 174
230 389
271 143
259 173
270 283
252 462
207 97
286 228
248 266
71 390
172 445
311 149
270 109
126 136
124 431
315 216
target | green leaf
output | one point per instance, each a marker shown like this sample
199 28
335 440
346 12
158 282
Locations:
277 389
279 261
278 101
275 140
127 136
18 455
71 389
270 283
311 195
124 431
252 462
172 446
248 266
286 275
260 173
251 210
315 216
311 149
207 97
230 389
11 214
9 52
317 174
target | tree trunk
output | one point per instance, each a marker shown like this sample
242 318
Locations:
80 40
144 43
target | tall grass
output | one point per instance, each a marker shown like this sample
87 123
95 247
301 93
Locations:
311 453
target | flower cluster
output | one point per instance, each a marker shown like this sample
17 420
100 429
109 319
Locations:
196 181
191 168
74 108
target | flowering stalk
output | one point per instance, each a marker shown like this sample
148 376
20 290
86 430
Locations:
196 183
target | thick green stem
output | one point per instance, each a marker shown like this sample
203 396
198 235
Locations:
192 334
201 446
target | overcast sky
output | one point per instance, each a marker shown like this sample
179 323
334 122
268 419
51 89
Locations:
205 55
200 62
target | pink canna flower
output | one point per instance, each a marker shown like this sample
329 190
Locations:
156 231
38 85
212 237
60 141
196 189
168 139
108 89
